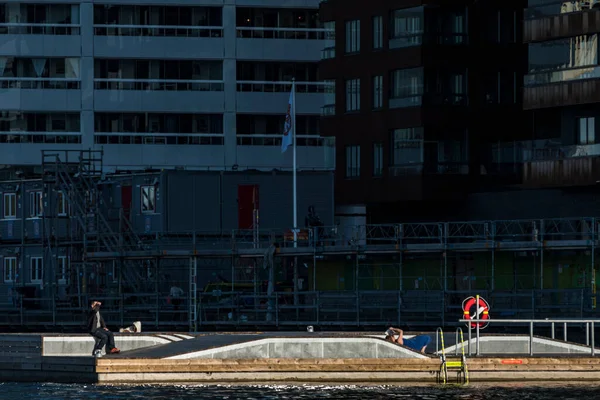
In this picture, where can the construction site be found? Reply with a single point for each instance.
(76, 234)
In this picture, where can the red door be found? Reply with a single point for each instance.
(247, 205)
(126, 195)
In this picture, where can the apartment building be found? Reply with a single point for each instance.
(174, 85)
(422, 90)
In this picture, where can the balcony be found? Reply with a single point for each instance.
(156, 95)
(40, 40)
(313, 152)
(282, 44)
(547, 25)
(583, 89)
(40, 94)
(137, 138)
(544, 163)
(159, 41)
(263, 97)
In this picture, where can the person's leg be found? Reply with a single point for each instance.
(111, 341)
(103, 338)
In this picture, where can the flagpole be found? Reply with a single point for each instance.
(294, 161)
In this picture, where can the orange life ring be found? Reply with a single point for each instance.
(483, 308)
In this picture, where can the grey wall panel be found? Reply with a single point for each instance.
(41, 46)
(158, 47)
(276, 200)
(193, 202)
(63, 100)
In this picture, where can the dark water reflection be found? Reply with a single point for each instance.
(18, 391)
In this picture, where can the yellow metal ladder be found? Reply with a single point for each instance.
(458, 365)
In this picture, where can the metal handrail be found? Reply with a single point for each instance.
(262, 28)
(589, 323)
(197, 27)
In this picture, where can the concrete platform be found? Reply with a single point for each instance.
(255, 357)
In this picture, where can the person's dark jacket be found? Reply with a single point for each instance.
(93, 321)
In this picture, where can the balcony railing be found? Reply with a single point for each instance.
(328, 110)
(443, 168)
(207, 139)
(558, 8)
(275, 140)
(540, 150)
(158, 84)
(39, 83)
(327, 53)
(284, 86)
(573, 74)
(39, 29)
(159, 30)
(285, 33)
(16, 137)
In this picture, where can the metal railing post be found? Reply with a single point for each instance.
(531, 338)
(469, 344)
(593, 344)
(565, 331)
(552, 330)
(477, 327)
(587, 334)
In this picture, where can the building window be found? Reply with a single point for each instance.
(378, 159)
(406, 87)
(63, 269)
(329, 100)
(353, 95)
(10, 269)
(10, 205)
(148, 199)
(352, 161)
(36, 204)
(353, 36)
(61, 204)
(377, 92)
(36, 269)
(407, 27)
(377, 32)
(587, 130)
(407, 146)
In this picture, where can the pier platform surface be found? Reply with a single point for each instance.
(259, 357)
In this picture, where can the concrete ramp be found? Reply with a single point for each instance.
(519, 344)
(82, 345)
(366, 347)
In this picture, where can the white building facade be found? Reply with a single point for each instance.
(186, 84)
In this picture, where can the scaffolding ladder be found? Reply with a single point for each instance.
(458, 365)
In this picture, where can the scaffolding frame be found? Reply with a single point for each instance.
(100, 238)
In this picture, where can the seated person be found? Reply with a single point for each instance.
(417, 343)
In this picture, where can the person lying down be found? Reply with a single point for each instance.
(417, 343)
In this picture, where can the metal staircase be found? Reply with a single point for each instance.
(77, 174)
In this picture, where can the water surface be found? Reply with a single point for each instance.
(31, 391)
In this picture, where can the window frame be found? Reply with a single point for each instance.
(12, 269)
(353, 162)
(377, 22)
(352, 95)
(62, 206)
(36, 264)
(36, 204)
(378, 159)
(12, 212)
(377, 100)
(590, 130)
(352, 29)
(149, 189)
(64, 268)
